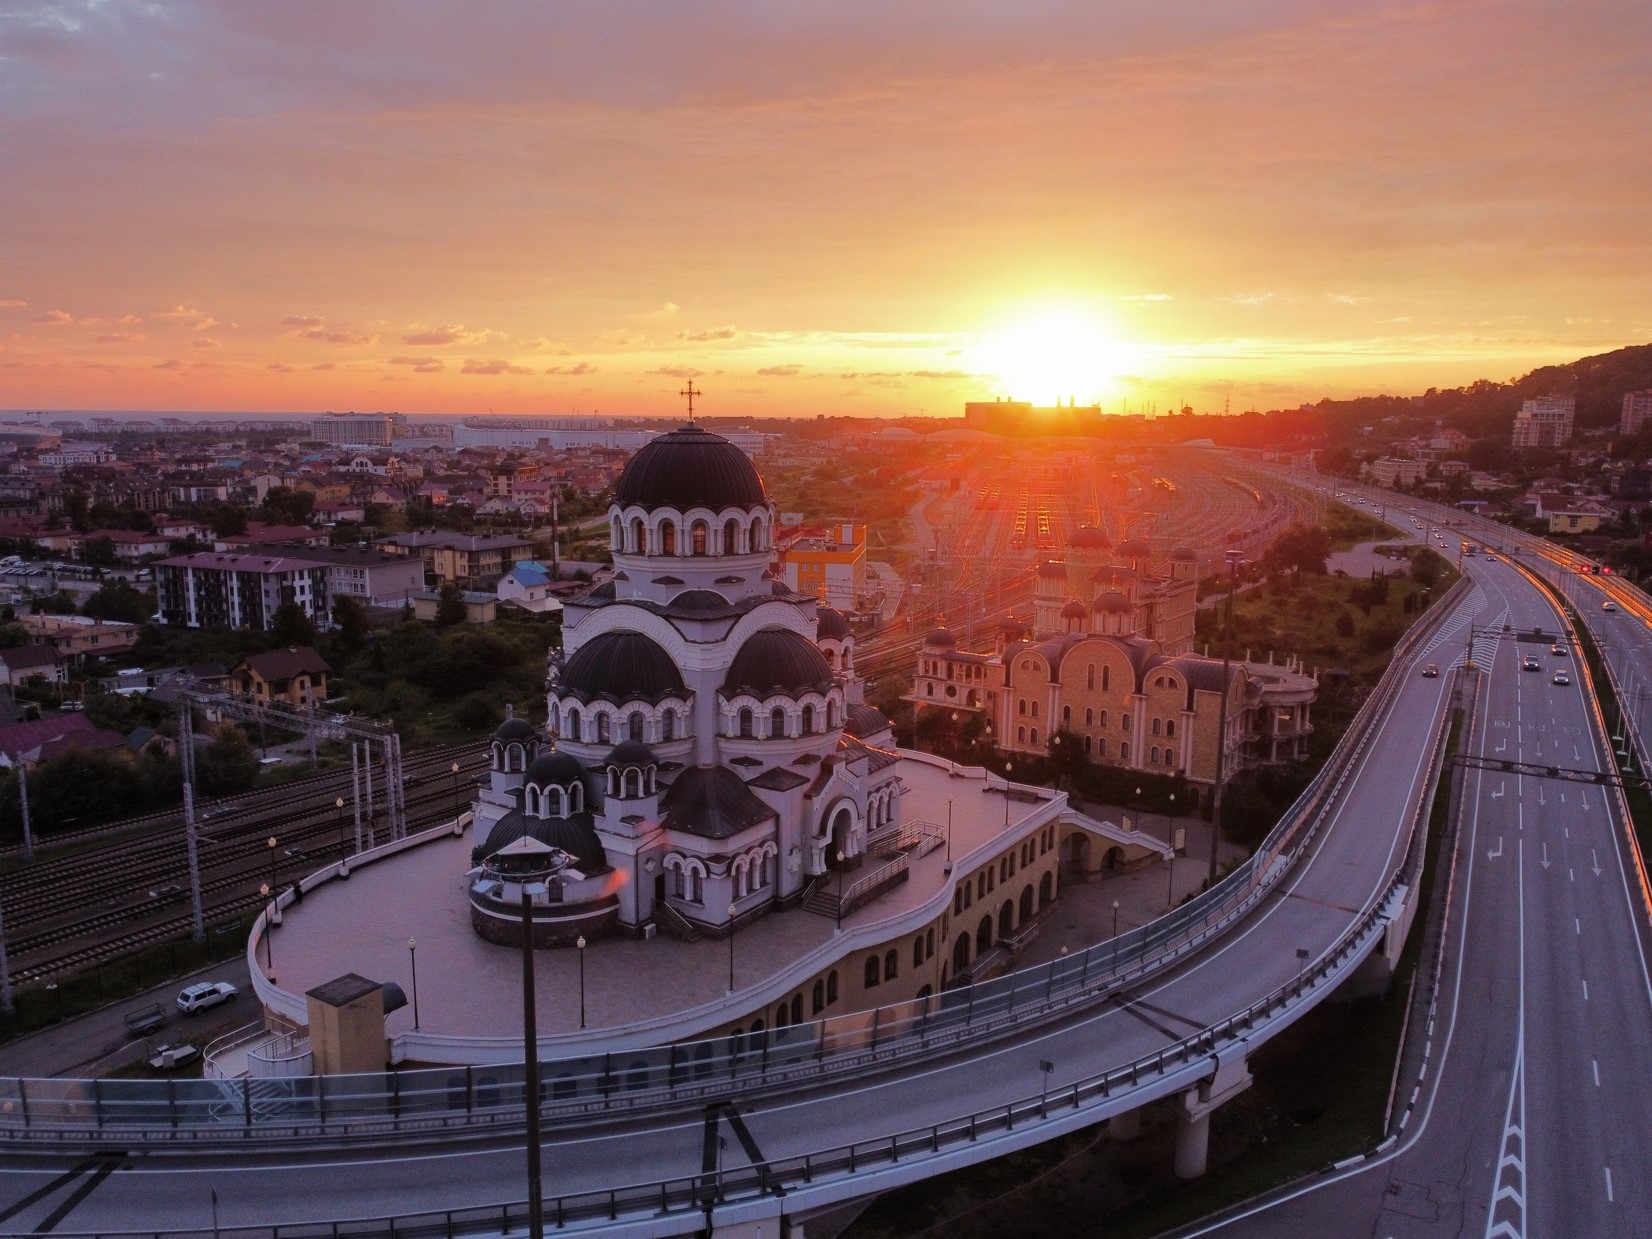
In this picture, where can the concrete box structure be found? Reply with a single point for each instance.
(347, 1026)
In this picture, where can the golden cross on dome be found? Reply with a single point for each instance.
(690, 392)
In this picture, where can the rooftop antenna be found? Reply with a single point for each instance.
(690, 392)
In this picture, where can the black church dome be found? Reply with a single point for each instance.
(690, 468)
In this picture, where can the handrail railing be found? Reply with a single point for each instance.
(634, 1079)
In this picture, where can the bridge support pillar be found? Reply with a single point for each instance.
(1126, 1126)
(1193, 1111)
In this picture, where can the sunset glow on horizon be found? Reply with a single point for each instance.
(863, 209)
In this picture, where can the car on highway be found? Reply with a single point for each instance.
(1558, 649)
(1608, 605)
(204, 995)
(1431, 670)
(1530, 664)
(1560, 677)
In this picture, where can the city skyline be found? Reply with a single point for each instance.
(856, 211)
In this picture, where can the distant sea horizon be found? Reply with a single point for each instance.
(47, 416)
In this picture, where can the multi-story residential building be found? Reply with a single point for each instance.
(357, 429)
(1637, 411)
(218, 590)
(830, 566)
(1545, 421)
(467, 559)
(1393, 471)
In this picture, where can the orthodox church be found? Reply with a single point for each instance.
(708, 752)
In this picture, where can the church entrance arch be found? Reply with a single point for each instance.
(843, 821)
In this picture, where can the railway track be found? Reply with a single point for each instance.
(53, 951)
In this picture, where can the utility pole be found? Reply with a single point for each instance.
(186, 754)
(23, 795)
(1222, 726)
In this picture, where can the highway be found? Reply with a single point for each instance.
(1346, 874)
(1532, 1116)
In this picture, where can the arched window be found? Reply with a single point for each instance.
(679, 888)
(731, 543)
(929, 943)
(1158, 727)
(1089, 717)
(871, 971)
(1021, 706)
(797, 1008)
(1020, 734)
(757, 541)
(1066, 714)
(1090, 676)
(639, 536)
(1035, 709)
(668, 538)
(777, 722)
(553, 803)
(573, 724)
(1154, 758)
(831, 987)
(1170, 728)
(1046, 889)
(817, 999)
(1033, 736)
(699, 538)
(602, 727)
(633, 726)
(1087, 744)
(1106, 678)
(616, 536)
(983, 936)
(891, 964)
(1124, 750)
(1124, 720)
(808, 720)
(668, 725)
(960, 953)
(1102, 718)
(531, 801)
(917, 950)
(745, 724)
(781, 1015)
(831, 714)
(1101, 746)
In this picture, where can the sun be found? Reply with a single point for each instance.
(1052, 356)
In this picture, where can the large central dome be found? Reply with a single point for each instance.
(690, 468)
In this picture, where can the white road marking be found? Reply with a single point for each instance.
(1508, 1186)
(1608, 1184)
(1578, 926)
(1586, 991)
(1595, 1063)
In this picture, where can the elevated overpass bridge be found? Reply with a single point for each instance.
(740, 1137)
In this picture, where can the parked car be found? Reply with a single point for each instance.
(1560, 677)
(205, 995)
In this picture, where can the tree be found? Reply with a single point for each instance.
(285, 506)
(227, 519)
(99, 552)
(350, 622)
(228, 765)
(77, 506)
(59, 603)
(1297, 549)
(291, 626)
(120, 602)
(451, 609)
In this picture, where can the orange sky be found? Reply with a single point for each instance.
(843, 207)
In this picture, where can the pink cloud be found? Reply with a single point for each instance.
(120, 337)
(205, 342)
(781, 372)
(678, 372)
(301, 320)
(281, 367)
(719, 333)
(333, 365)
(477, 366)
(172, 363)
(12, 303)
(451, 333)
(583, 367)
(54, 318)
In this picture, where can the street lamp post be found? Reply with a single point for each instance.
(731, 936)
(455, 770)
(839, 897)
(265, 891)
(270, 845)
(1008, 766)
(339, 805)
(580, 943)
(413, 962)
(530, 1072)
(948, 834)
(1233, 558)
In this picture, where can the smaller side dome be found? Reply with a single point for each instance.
(1184, 555)
(514, 728)
(1073, 610)
(555, 767)
(864, 720)
(830, 624)
(941, 639)
(631, 754)
(1113, 602)
(1051, 568)
(1009, 625)
(1091, 537)
(699, 600)
(1134, 548)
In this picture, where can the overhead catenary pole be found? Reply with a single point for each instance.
(530, 1071)
(1222, 722)
(23, 797)
(355, 788)
(186, 751)
(6, 1003)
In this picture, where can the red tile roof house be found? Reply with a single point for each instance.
(51, 737)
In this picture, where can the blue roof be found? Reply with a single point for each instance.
(529, 573)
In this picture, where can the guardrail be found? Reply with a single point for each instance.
(576, 1088)
(1175, 1067)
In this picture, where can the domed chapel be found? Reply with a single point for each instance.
(707, 753)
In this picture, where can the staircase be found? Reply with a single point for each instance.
(674, 923)
(821, 900)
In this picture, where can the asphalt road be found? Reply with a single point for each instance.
(1534, 1115)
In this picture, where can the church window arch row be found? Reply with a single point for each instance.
(688, 877)
(657, 721)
